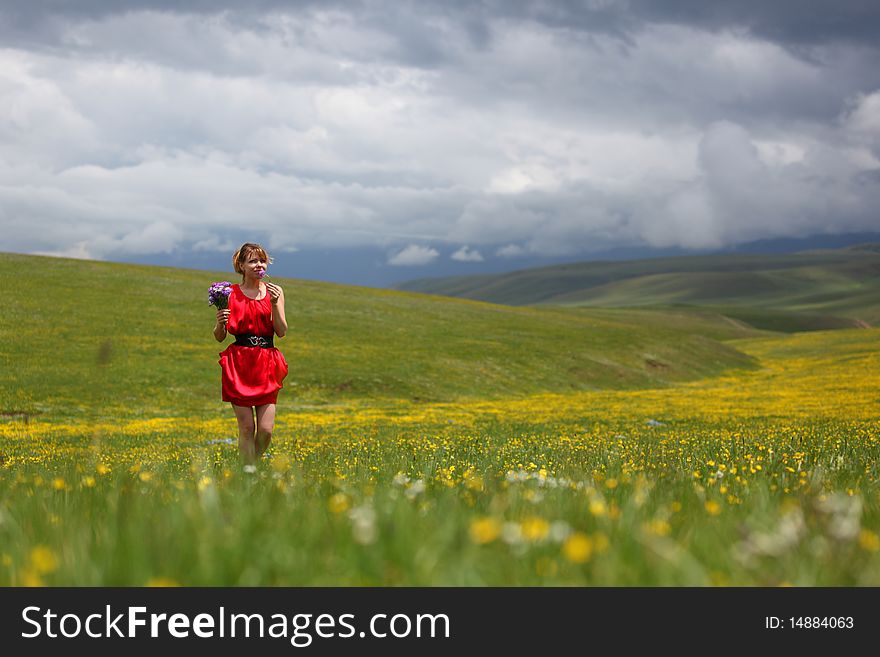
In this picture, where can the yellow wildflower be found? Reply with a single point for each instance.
(578, 548)
(338, 503)
(657, 527)
(484, 530)
(43, 560)
(534, 528)
(869, 541)
(598, 508)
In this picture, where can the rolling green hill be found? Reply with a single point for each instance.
(803, 291)
(138, 340)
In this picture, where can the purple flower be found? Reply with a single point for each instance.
(262, 274)
(218, 294)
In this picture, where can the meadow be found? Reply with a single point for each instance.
(412, 448)
(813, 290)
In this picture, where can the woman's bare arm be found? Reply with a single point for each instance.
(279, 321)
(220, 326)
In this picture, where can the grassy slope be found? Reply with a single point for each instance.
(85, 332)
(695, 321)
(828, 289)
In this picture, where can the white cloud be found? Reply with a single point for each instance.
(739, 195)
(865, 117)
(214, 244)
(413, 255)
(510, 251)
(862, 123)
(466, 254)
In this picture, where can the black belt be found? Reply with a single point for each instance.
(250, 340)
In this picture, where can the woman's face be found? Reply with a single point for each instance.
(254, 264)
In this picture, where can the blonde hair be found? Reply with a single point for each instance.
(246, 251)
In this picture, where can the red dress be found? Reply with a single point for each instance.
(251, 376)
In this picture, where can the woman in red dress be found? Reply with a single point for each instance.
(252, 368)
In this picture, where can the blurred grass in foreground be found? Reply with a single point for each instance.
(755, 477)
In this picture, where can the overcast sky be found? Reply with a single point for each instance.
(466, 133)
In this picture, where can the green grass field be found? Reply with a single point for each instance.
(428, 441)
(114, 339)
(794, 292)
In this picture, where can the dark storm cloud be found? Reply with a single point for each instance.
(34, 11)
(430, 35)
(786, 21)
(794, 22)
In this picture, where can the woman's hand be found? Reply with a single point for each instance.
(275, 293)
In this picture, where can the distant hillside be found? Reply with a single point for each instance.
(802, 291)
(138, 338)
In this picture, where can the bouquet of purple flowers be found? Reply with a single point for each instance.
(218, 294)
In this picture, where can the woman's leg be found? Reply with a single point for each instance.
(265, 427)
(246, 443)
